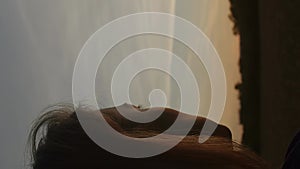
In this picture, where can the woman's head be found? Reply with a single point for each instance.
(58, 141)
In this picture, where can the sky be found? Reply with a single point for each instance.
(41, 39)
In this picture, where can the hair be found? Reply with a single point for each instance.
(59, 142)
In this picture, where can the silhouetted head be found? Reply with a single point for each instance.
(59, 142)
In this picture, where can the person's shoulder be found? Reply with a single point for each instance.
(292, 158)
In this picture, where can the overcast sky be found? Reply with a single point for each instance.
(40, 41)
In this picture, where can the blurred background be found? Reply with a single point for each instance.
(256, 40)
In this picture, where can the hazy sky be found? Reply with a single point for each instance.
(40, 41)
